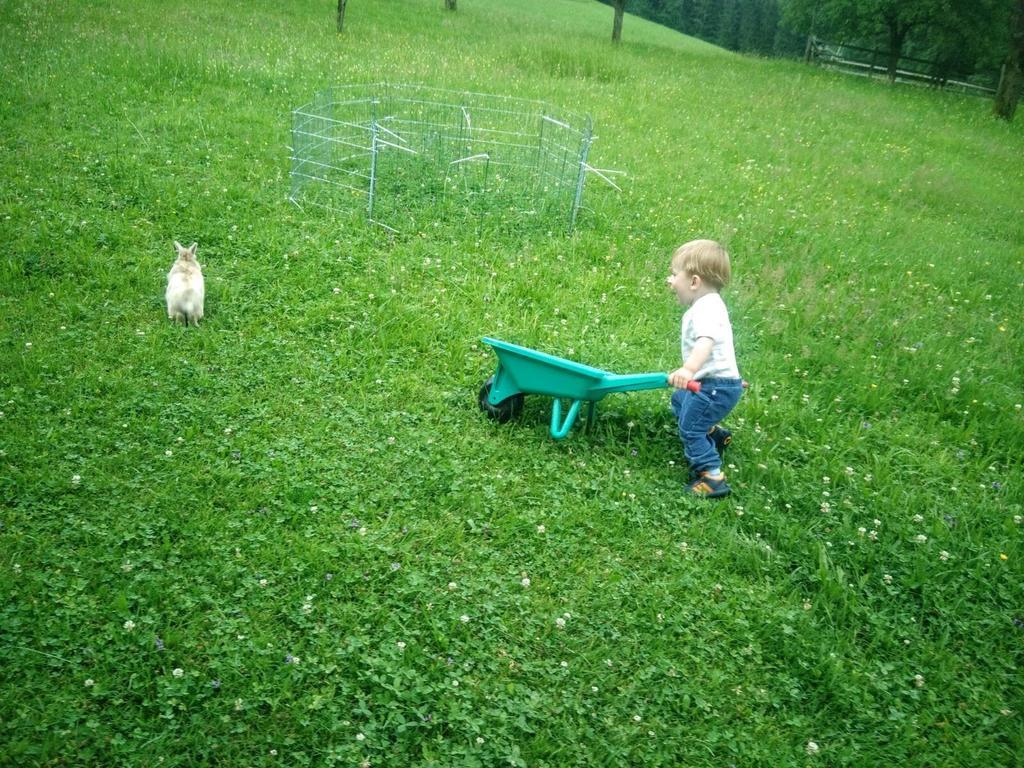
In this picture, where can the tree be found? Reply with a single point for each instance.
(728, 25)
(886, 21)
(897, 20)
(740, 25)
(341, 14)
(1012, 78)
(960, 41)
(620, 9)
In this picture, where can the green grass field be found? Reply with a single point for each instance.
(289, 537)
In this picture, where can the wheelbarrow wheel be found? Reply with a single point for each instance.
(504, 411)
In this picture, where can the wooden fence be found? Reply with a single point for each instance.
(868, 62)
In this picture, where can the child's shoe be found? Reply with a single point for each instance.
(720, 437)
(709, 487)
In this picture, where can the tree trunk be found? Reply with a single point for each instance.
(620, 7)
(449, 4)
(897, 36)
(1009, 89)
(341, 14)
(1012, 80)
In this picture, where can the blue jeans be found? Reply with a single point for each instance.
(698, 412)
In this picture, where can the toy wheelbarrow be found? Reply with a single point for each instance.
(523, 371)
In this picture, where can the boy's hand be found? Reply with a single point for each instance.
(680, 377)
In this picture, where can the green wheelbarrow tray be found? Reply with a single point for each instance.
(522, 371)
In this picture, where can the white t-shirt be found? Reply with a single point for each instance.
(707, 316)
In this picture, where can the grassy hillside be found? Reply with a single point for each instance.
(289, 537)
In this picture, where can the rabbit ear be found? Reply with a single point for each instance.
(192, 248)
(178, 247)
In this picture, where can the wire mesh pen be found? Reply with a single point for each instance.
(410, 154)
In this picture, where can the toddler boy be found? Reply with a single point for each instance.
(700, 269)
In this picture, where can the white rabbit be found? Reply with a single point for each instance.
(185, 289)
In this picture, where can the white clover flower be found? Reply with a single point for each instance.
(921, 538)
(452, 585)
(917, 519)
(862, 531)
(464, 619)
(76, 479)
(401, 645)
(943, 555)
(560, 622)
(362, 531)
(129, 625)
(89, 682)
(178, 672)
(887, 579)
(541, 529)
(360, 737)
(918, 681)
(564, 664)
(807, 605)
(525, 582)
(811, 748)
(637, 718)
(479, 740)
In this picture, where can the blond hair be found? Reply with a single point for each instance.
(704, 258)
